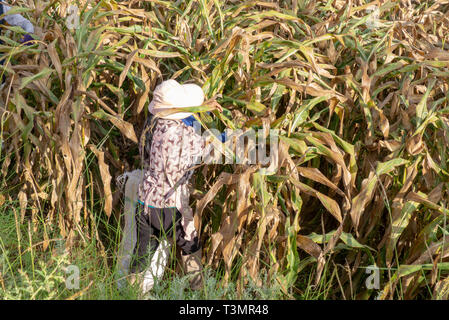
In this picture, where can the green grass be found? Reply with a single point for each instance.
(28, 272)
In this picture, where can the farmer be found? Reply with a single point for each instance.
(173, 147)
(15, 20)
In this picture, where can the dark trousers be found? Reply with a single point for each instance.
(2, 77)
(160, 223)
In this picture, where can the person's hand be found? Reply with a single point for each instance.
(27, 39)
(218, 107)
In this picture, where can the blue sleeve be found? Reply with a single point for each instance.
(223, 137)
(189, 121)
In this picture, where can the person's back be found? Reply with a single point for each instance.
(175, 148)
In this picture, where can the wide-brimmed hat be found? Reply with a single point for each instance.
(171, 94)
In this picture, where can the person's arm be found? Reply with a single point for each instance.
(17, 20)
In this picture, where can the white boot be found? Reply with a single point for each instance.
(155, 271)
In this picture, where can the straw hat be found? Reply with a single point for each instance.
(170, 94)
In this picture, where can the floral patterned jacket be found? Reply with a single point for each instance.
(169, 153)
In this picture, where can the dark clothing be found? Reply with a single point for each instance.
(2, 60)
(160, 223)
(2, 11)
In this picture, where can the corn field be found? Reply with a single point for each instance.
(359, 98)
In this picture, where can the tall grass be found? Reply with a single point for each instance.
(360, 104)
(29, 273)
